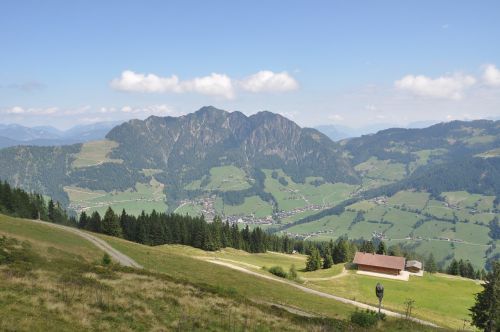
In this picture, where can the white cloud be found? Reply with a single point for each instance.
(268, 81)
(446, 87)
(136, 82)
(214, 85)
(34, 111)
(160, 110)
(491, 75)
(217, 85)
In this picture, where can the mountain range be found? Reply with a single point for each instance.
(15, 134)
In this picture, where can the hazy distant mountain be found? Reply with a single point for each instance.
(15, 134)
(339, 132)
(21, 133)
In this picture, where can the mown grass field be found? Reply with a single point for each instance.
(437, 298)
(145, 196)
(297, 195)
(223, 178)
(252, 205)
(381, 169)
(95, 153)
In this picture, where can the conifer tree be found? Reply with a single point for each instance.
(111, 223)
(381, 248)
(327, 261)
(486, 311)
(83, 221)
(430, 264)
(313, 260)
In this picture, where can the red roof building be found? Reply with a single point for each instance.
(379, 263)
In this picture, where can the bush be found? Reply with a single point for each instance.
(366, 318)
(292, 273)
(278, 271)
(106, 260)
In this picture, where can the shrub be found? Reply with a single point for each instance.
(106, 260)
(366, 318)
(278, 271)
(292, 273)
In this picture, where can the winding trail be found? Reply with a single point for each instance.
(101, 244)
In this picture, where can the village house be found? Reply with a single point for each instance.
(369, 262)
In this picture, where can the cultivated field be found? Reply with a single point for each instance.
(95, 153)
(144, 197)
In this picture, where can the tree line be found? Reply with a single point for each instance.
(18, 203)
(169, 228)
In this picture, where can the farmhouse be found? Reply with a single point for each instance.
(413, 266)
(379, 263)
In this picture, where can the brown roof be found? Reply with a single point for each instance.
(390, 262)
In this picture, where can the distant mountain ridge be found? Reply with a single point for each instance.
(338, 132)
(15, 134)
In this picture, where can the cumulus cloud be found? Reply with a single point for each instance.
(214, 85)
(491, 75)
(136, 82)
(268, 81)
(446, 87)
(217, 85)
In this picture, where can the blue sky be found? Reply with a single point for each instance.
(318, 62)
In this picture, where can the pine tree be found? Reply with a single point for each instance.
(51, 211)
(83, 221)
(327, 261)
(94, 224)
(313, 260)
(367, 247)
(453, 268)
(381, 248)
(111, 223)
(486, 311)
(340, 251)
(430, 264)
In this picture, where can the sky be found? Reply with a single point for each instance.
(350, 63)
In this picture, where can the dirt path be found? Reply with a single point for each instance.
(340, 275)
(318, 293)
(101, 244)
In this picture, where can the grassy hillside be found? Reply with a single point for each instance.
(432, 304)
(55, 281)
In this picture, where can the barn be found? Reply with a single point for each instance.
(414, 266)
(379, 263)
